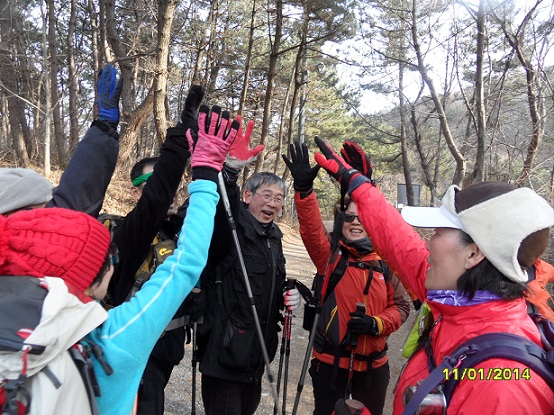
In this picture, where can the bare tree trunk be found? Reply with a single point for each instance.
(479, 167)
(282, 128)
(271, 73)
(95, 35)
(458, 157)
(166, 9)
(248, 63)
(48, 96)
(72, 82)
(403, 139)
(59, 134)
(533, 96)
(10, 26)
(429, 181)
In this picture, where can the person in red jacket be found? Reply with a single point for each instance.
(364, 280)
(472, 275)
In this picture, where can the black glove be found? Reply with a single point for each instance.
(188, 118)
(354, 155)
(361, 323)
(195, 304)
(348, 177)
(109, 90)
(299, 167)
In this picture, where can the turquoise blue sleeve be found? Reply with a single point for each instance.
(134, 327)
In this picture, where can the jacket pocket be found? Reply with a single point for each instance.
(237, 346)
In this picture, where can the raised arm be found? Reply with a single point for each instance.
(84, 182)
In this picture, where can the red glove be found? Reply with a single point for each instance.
(240, 154)
(354, 155)
(212, 142)
(335, 165)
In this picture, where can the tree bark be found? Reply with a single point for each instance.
(458, 157)
(166, 9)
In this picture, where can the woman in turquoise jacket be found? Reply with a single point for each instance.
(76, 248)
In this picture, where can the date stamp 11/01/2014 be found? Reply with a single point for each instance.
(492, 373)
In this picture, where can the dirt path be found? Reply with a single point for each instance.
(299, 266)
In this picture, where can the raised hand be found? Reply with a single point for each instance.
(299, 166)
(210, 145)
(354, 155)
(109, 91)
(240, 154)
(337, 167)
(192, 102)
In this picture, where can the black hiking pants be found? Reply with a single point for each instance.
(368, 387)
(229, 397)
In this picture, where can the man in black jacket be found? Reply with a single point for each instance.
(232, 364)
(137, 235)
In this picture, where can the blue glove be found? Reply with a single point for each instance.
(109, 90)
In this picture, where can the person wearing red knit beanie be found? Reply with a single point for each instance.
(53, 242)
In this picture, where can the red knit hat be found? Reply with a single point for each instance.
(53, 242)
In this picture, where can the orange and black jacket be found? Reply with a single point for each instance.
(386, 299)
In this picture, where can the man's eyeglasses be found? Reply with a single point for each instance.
(268, 197)
(349, 218)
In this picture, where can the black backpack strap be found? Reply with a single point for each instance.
(84, 366)
(305, 292)
(476, 350)
(386, 270)
(337, 274)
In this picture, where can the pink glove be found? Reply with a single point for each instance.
(240, 154)
(211, 144)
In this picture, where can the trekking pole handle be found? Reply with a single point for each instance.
(290, 284)
(360, 308)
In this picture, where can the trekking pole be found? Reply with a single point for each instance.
(233, 227)
(360, 307)
(194, 359)
(291, 283)
(335, 236)
(281, 354)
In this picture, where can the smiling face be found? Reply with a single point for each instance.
(449, 257)
(354, 230)
(265, 202)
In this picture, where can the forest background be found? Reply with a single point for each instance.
(437, 92)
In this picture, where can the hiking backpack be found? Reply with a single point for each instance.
(21, 304)
(160, 249)
(461, 363)
(310, 299)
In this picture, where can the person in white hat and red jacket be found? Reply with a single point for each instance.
(472, 274)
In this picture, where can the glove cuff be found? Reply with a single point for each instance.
(230, 174)
(176, 132)
(378, 326)
(305, 194)
(205, 173)
(108, 127)
(356, 182)
(302, 189)
(105, 124)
